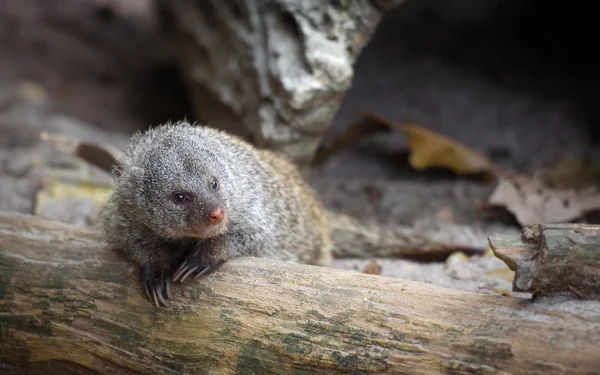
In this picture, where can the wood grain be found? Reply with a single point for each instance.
(68, 305)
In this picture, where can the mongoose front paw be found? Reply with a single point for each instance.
(156, 282)
(192, 265)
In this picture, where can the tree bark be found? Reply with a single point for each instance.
(553, 259)
(70, 305)
(272, 71)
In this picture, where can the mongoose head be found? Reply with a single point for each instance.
(180, 184)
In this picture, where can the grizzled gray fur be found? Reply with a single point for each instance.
(189, 198)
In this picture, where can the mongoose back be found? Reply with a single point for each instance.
(188, 198)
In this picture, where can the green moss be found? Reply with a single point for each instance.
(7, 267)
(51, 279)
(26, 324)
(347, 361)
(121, 335)
(40, 305)
(490, 351)
(317, 314)
(257, 359)
(227, 316)
(296, 344)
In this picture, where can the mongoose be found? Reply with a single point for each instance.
(190, 197)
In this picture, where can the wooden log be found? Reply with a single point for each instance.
(68, 305)
(553, 259)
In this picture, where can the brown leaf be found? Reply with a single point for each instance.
(366, 125)
(99, 154)
(372, 268)
(532, 202)
(431, 149)
(428, 148)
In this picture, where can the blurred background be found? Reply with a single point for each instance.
(511, 82)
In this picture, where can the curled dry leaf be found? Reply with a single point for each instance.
(532, 202)
(428, 148)
(99, 154)
(367, 124)
(431, 149)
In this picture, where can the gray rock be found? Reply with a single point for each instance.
(274, 71)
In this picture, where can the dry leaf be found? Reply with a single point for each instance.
(56, 190)
(502, 273)
(431, 149)
(455, 258)
(99, 154)
(532, 203)
(428, 148)
(488, 253)
(76, 203)
(366, 125)
(501, 291)
(372, 268)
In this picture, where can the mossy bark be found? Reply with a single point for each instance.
(69, 305)
(553, 259)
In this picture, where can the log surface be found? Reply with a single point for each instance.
(69, 305)
(553, 258)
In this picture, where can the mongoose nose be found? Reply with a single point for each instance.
(215, 216)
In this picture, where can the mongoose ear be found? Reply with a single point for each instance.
(117, 169)
(131, 174)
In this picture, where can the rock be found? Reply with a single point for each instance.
(274, 71)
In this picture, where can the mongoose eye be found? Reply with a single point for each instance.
(179, 197)
(214, 184)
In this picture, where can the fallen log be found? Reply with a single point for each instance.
(69, 305)
(553, 259)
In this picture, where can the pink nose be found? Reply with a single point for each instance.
(215, 216)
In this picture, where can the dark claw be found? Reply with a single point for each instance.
(192, 266)
(155, 298)
(147, 291)
(161, 298)
(189, 273)
(168, 289)
(203, 272)
(155, 282)
(180, 270)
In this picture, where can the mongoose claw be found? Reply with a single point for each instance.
(180, 271)
(189, 267)
(155, 284)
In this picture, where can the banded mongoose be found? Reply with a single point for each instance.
(190, 197)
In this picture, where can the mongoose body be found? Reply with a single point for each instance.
(188, 198)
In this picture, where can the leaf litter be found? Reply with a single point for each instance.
(563, 193)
